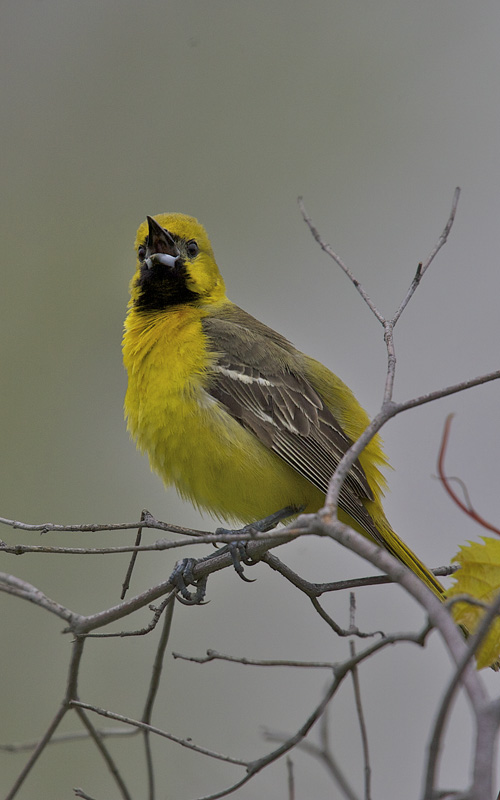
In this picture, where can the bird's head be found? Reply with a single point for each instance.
(175, 264)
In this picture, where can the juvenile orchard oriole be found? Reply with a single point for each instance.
(231, 413)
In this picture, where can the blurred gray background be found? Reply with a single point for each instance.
(374, 112)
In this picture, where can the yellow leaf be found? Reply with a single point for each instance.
(479, 577)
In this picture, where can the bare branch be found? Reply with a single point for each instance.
(481, 709)
(423, 267)
(61, 738)
(323, 754)
(36, 753)
(359, 707)
(390, 409)
(83, 795)
(158, 613)
(159, 732)
(147, 521)
(133, 559)
(388, 324)
(438, 394)
(26, 591)
(153, 689)
(291, 780)
(467, 507)
(329, 251)
(106, 755)
(212, 655)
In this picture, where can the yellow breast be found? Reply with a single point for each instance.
(191, 441)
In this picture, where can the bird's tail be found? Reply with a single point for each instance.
(372, 522)
(402, 552)
(379, 530)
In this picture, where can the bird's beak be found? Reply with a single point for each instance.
(161, 247)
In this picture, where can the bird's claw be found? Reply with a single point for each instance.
(182, 577)
(238, 549)
(239, 557)
(183, 573)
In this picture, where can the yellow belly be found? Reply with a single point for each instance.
(191, 441)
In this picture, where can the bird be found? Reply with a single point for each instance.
(241, 422)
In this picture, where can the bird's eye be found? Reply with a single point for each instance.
(192, 248)
(141, 252)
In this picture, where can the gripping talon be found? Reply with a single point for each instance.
(238, 549)
(182, 577)
(239, 557)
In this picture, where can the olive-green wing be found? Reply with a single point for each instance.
(257, 376)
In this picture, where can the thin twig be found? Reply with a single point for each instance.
(438, 394)
(159, 732)
(133, 559)
(158, 545)
(72, 695)
(154, 685)
(148, 521)
(106, 755)
(388, 324)
(290, 778)
(323, 754)
(317, 589)
(158, 612)
(467, 507)
(328, 249)
(389, 410)
(423, 267)
(83, 795)
(36, 753)
(26, 591)
(62, 738)
(359, 705)
(212, 655)
(337, 629)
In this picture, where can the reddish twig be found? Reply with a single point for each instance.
(467, 506)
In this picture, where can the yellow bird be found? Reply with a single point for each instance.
(231, 413)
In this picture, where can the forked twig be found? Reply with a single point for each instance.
(466, 507)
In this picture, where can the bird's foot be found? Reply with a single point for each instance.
(182, 577)
(238, 549)
(183, 574)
